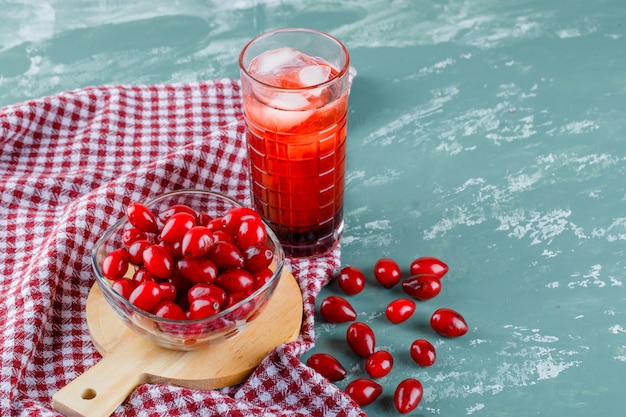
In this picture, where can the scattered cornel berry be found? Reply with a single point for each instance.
(361, 339)
(448, 323)
(408, 395)
(423, 352)
(423, 283)
(336, 309)
(400, 310)
(364, 391)
(351, 280)
(379, 364)
(192, 267)
(387, 272)
(327, 366)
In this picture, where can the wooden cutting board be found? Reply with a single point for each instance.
(130, 360)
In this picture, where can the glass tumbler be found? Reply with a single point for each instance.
(295, 99)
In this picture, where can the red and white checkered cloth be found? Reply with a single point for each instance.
(69, 164)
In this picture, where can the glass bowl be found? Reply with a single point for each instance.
(185, 334)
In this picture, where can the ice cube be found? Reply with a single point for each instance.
(282, 120)
(288, 101)
(313, 75)
(272, 62)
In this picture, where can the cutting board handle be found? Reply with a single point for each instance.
(100, 390)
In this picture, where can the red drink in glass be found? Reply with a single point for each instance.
(295, 99)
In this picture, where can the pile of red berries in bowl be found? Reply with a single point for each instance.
(188, 268)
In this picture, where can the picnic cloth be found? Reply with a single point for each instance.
(69, 165)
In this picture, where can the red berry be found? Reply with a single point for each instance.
(235, 280)
(142, 274)
(196, 242)
(115, 264)
(408, 395)
(233, 218)
(158, 260)
(169, 310)
(204, 219)
(222, 236)
(132, 234)
(226, 255)
(327, 366)
(257, 257)
(168, 291)
(399, 310)
(202, 308)
(336, 309)
(363, 391)
(182, 285)
(448, 323)
(206, 291)
(146, 295)
(200, 270)
(123, 286)
(379, 364)
(234, 298)
(176, 226)
(422, 287)
(251, 232)
(174, 248)
(428, 265)
(135, 251)
(262, 277)
(176, 208)
(387, 272)
(351, 280)
(361, 339)
(140, 216)
(423, 352)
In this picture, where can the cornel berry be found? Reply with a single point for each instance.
(400, 310)
(423, 283)
(423, 352)
(428, 265)
(448, 323)
(379, 364)
(387, 272)
(183, 265)
(408, 395)
(327, 366)
(422, 287)
(351, 280)
(336, 309)
(364, 391)
(361, 339)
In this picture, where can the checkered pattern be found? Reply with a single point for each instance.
(69, 164)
